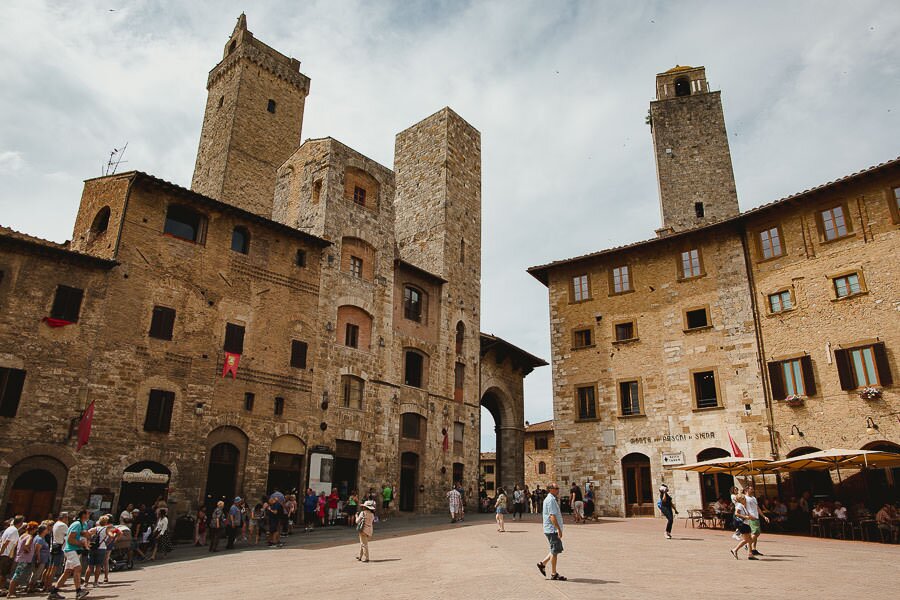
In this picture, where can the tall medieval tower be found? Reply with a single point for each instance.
(693, 161)
(252, 123)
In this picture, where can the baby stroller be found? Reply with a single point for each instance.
(120, 555)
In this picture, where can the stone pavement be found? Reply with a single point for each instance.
(428, 557)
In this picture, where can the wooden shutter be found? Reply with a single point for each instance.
(234, 338)
(10, 391)
(165, 417)
(809, 378)
(845, 373)
(154, 411)
(776, 380)
(67, 303)
(298, 354)
(163, 322)
(882, 364)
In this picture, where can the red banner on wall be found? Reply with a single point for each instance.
(51, 322)
(231, 364)
(84, 425)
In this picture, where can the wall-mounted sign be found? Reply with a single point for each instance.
(671, 459)
(145, 476)
(321, 465)
(677, 437)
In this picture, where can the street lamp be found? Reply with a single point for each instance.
(793, 429)
(871, 425)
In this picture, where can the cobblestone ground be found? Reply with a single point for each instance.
(430, 558)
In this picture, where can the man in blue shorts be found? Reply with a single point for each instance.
(553, 531)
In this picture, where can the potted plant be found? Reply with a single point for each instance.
(794, 400)
(870, 392)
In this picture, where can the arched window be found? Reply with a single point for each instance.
(352, 391)
(101, 221)
(413, 302)
(542, 468)
(682, 86)
(232, 46)
(240, 240)
(460, 337)
(354, 327)
(185, 223)
(414, 368)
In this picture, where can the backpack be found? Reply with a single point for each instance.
(659, 504)
(361, 522)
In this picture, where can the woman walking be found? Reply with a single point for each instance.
(200, 528)
(365, 520)
(161, 534)
(500, 509)
(518, 502)
(666, 507)
(740, 512)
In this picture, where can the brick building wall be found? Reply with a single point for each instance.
(539, 445)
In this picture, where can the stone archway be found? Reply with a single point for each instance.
(510, 431)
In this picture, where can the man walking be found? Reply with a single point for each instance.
(576, 502)
(455, 501)
(75, 541)
(553, 531)
(8, 543)
(234, 522)
(755, 515)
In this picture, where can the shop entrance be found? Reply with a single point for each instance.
(638, 485)
(714, 485)
(409, 476)
(286, 460)
(142, 483)
(346, 466)
(222, 474)
(32, 494)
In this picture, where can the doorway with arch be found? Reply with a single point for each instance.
(638, 481)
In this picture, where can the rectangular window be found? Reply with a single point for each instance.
(863, 365)
(351, 336)
(540, 442)
(301, 258)
(234, 338)
(409, 426)
(780, 301)
(66, 304)
(690, 264)
(834, 224)
(413, 363)
(587, 402)
(489, 485)
(159, 411)
(458, 432)
(412, 304)
(279, 406)
(847, 285)
(459, 381)
(630, 398)
(162, 323)
(249, 400)
(185, 223)
(489, 469)
(582, 338)
(895, 204)
(770, 243)
(359, 195)
(793, 376)
(11, 383)
(271, 106)
(862, 361)
(580, 288)
(625, 331)
(356, 265)
(621, 279)
(298, 354)
(705, 393)
(697, 318)
(352, 391)
(698, 210)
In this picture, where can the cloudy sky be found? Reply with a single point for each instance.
(559, 91)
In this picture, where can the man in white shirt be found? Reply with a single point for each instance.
(57, 558)
(753, 511)
(8, 542)
(553, 519)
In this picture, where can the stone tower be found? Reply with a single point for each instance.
(252, 123)
(693, 162)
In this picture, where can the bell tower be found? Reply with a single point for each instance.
(693, 161)
(252, 123)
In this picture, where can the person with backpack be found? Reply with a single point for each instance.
(666, 506)
(365, 526)
(216, 523)
(75, 543)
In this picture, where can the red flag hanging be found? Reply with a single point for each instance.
(84, 425)
(735, 449)
(51, 322)
(231, 364)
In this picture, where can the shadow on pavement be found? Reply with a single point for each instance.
(594, 581)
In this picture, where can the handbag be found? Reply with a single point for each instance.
(361, 523)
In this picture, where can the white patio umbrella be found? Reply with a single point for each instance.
(836, 458)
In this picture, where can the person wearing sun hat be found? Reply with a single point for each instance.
(365, 520)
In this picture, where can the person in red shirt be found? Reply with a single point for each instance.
(333, 500)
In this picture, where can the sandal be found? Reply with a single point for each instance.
(558, 577)
(541, 568)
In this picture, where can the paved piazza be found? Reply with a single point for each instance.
(426, 558)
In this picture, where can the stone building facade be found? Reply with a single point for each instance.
(303, 317)
(662, 349)
(539, 454)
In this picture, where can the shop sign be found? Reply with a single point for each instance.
(145, 476)
(671, 459)
(677, 437)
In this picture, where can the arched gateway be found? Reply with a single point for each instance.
(503, 371)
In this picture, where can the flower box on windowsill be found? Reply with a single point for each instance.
(870, 392)
(795, 400)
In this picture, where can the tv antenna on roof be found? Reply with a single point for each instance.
(115, 158)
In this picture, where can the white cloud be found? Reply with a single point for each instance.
(10, 161)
